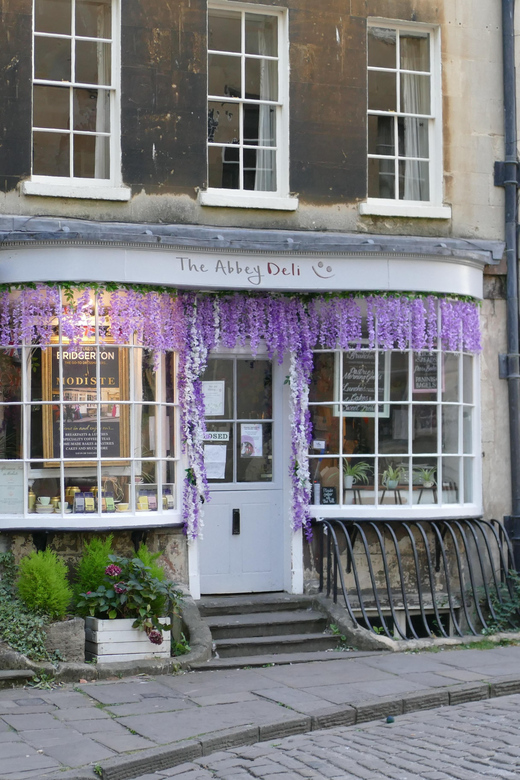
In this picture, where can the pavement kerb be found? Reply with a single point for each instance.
(168, 756)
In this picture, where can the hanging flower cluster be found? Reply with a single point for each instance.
(195, 323)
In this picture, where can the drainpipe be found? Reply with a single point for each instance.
(506, 175)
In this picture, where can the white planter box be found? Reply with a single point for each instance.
(116, 640)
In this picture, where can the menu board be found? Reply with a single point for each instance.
(424, 372)
(358, 383)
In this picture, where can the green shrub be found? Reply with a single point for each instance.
(156, 570)
(42, 584)
(20, 628)
(91, 568)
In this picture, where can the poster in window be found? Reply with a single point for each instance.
(251, 444)
(213, 393)
(356, 383)
(81, 402)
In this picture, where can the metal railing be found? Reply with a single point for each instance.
(416, 578)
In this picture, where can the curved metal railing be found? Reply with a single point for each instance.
(415, 578)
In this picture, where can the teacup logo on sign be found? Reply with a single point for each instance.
(245, 273)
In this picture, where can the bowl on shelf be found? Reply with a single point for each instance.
(122, 507)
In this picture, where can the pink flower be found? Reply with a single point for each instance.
(155, 637)
(113, 570)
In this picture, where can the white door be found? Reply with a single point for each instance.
(242, 546)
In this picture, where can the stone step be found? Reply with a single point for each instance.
(264, 624)
(251, 602)
(11, 677)
(282, 659)
(249, 646)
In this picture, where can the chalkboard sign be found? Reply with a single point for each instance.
(358, 383)
(424, 372)
(329, 495)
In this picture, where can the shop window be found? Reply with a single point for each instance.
(87, 430)
(75, 94)
(393, 428)
(404, 127)
(247, 100)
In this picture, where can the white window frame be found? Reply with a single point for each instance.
(433, 208)
(76, 187)
(279, 199)
(443, 507)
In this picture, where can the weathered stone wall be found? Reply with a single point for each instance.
(164, 116)
(170, 542)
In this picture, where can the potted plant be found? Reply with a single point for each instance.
(355, 472)
(128, 613)
(391, 477)
(426, 476)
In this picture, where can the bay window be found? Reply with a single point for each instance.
(393, 428)
(89, 428)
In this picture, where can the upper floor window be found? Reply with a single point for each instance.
(404, 129)
(247, 102)
(75, 100)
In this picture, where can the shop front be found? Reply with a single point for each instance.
(236, 393)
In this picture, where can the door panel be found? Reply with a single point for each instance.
(243, 460)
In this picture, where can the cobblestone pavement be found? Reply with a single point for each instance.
(468, 741)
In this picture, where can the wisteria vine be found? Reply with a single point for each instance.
(194, 323)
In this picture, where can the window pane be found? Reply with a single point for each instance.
(381, 135)
(145, 375)
(93, 18)
(468, 481)
(169, 488)
(51, 154)
(52, 16)
(261, 79)
(425, 481)
(223, 122)
(467, 425)
(467, 367)
(224, 30)
(260, 170)
(325, 429)
(414, 180)
(10, 375)
(254, 452)
(254, 389)
(382, 92)
(424, 428)
(145, 430)
(415, 94)
(219, 462)
(413, 137)
(327, 480)
(224, 75)
(52, 59)
(224, 167)
(10, 432)
(394, 481)
(93, 62)
(260, 125)
(169, 377)
(115, 481)
(450, 480)
(168, 431)
(415, 51)
(322, 379)
(91, 157)
(146, 492)
(217, 387)
(92, 110)
(399, 377)
(382, 47)
(381, 178)
(393, 431)
(450, 428)
(451, 377)
(51, 107)
(358, 481)
(34, 371)
(261, 35)
(358, 435)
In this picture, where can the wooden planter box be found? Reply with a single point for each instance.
(116, 640)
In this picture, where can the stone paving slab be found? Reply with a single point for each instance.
(115, 722)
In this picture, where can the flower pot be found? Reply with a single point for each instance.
(115, 640)
(427, 484)
(391, 484)
(348, 481)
